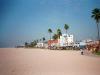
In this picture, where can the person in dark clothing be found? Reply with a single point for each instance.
(81, 49)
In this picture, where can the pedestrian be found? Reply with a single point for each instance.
(81, 49)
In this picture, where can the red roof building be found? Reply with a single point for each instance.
(52, 42)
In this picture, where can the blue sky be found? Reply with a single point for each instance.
(27, 20)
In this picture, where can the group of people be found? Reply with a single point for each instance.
(91, 48)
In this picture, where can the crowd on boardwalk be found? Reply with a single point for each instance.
(92, 46)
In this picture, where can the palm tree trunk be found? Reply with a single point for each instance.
(50, 40)
(98, 35)
(98, 31)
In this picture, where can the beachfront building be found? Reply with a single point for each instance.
(64, 41)
(53, 43)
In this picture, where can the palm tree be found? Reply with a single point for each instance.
(33, 44)
(59, 33)
(66, 27)
(55, 36)
(43, 41)
(50, 31)
(96, 16)
(26, 44)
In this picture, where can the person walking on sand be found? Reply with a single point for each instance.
(81, 49)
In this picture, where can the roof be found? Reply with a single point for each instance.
(52, 41)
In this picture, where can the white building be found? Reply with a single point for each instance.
(76, 44)
(66, 40)
(42, 45)
(81, 43)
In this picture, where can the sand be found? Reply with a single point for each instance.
(20, 61)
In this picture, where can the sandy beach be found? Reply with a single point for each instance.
(20, 61)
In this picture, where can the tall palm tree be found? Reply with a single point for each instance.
(96, 16)
(50, 31)
(66, 27)
(59, 33)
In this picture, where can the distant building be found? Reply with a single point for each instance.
(19, 46)
(40, 45)
(92, 42)
(76, 44)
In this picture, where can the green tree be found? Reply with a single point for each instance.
(96, 16)
(55, 36)
(66, 27)
(26, 44)
(33, 44)
(43, 39)
(59, 33)
(50, 31)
